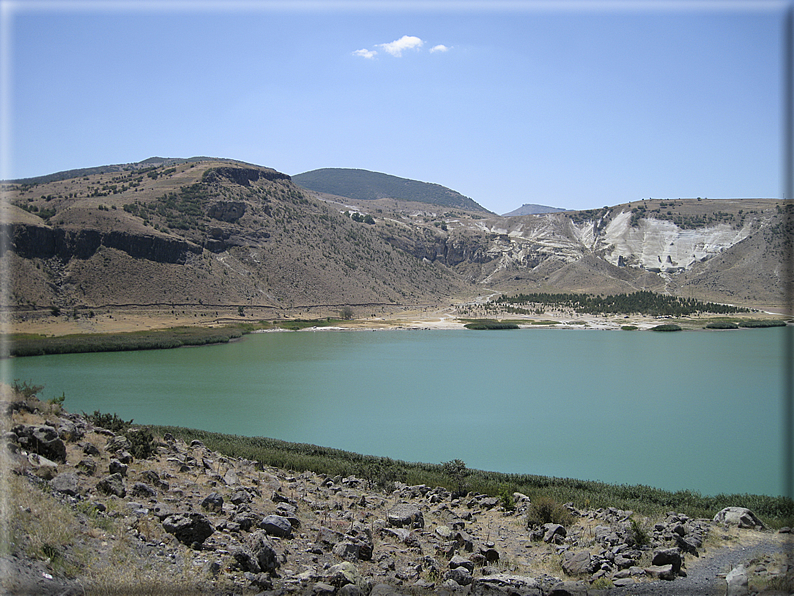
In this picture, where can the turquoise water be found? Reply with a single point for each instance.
(691, 410)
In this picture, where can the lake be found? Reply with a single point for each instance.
(689, 410)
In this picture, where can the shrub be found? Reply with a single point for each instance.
(142, 442)
(112, 422)
(506, 497)
(721, 325)
(667, 327)
(545, 510)
(629, 327)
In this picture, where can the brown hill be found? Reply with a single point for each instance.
(218, 238)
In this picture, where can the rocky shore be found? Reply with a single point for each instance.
(84, 515)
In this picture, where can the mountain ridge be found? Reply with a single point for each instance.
(220, 236)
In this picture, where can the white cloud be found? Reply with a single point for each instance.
(365, 53)
(406, 42)
(439, 48)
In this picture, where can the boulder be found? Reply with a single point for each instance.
(504, 584)
(574, 563)
(262, 549)
(405, 515)
(66, 483)
(112, 485)
(739, 516)
(275, 525)
(188, 528)
(41, 439)
(554, 533)
(737, 581)
(342, 574)
(213, 502)
(460, 575)
(118, 443)
(668, 556)
(141, 489)
(661, 572)
(568, 588)
(116, 467)
(458, 561)
(353, 550)
(43, 468)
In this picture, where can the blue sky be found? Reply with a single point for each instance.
(570, 104)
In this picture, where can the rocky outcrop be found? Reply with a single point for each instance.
(42, 242)
(228, 211)
(237, 523)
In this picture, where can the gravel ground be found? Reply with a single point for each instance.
(706, 575)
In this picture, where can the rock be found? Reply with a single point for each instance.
(554, 533)
(188, 528)
(86, 466)
(258, 580)
(66, 483)
(458, 561)
(43, 468)
(739, 516)
(405, 515)
(69, 431)
(668, 556)
(240, 496)
(661, 572)
(737, 582)
(384, 590)
(213, 502)
(503, 584)
(43, 440)
(112, 485)
(353, 550)
(275, 525)
(568, 588)
(90, 449)
(349, 590)
(161, 511)
(262, 549)
(245, 560)
(323, 589)
(576, 563)
(118, 443)
(116, 467)
(460, 575)
(141, 489)
(342, 574)
(230, 478)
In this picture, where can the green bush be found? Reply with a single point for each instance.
(667, 327)
(721, 325)
(761, 324)
(545, 510)
(142, 442)
(111, 422)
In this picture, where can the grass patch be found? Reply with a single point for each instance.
(666, 327)
(298, 324)
(488, 324)
(721, 325)
(629, 328)
(380, 471)
(157, 339)
(762, 323)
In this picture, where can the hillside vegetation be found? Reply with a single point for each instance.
(213, 240)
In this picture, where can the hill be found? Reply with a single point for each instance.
(532, 209)
(210, 239)
(363, 185)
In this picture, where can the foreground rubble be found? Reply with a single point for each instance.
(186, 518)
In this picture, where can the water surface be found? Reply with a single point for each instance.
(691, 410)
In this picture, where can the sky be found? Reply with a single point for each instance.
(575, 104)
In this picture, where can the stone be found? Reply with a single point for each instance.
(737, 581)
(342, 574)
(213, 502)
(42, 439)
(141, 489)
(664, 572)
(460, 575)
(116, 467)
(90, 449)
(458, 561)
(384, 590)
(86, 466)
(353, 550)
(323, 589)
(66, 483)
(739, 516)
(668, 556)
(554, 533)
(240, 496)
(43, 468)
(245, 560)
(568, 588)
(118, 443)
(576, 563)
(258, 580)
(262, 549)
(405, 515)
(69, 431)
(188, 528)
(504, 585)
(275, 525)
(112, 485)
